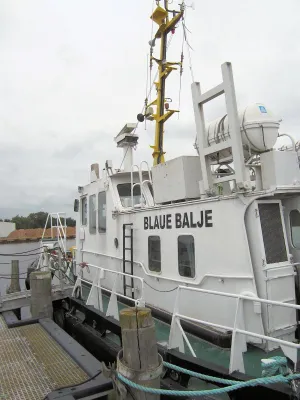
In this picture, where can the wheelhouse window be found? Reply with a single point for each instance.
(154, 254)
(186, 256)
(92, 214)
(295, 228)
(124, 190)
(102, 212)
(84, 211)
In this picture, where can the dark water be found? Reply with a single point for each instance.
(24, 260)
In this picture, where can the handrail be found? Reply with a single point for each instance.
(123, 274)
(238, 347)
(239, 296)
(61, 230)
(149, 172)
(134, 184)
(141, 181)
(112, 308)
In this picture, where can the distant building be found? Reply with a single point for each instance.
(6, 228)
(32, 235)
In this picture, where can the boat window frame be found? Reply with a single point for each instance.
(153, 270)
(98, 211)
(135, 188)
(90, 213)
(194, 256)
(81, 211)
(291, 231)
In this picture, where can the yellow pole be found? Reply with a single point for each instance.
(158, 153)
(164, 69)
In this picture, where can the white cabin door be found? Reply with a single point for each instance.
(278, 271)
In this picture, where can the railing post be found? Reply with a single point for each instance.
(15, 283)
(139, 360)
(60, 270)
(112, 308)
(238, 342)
(95, 296)
(175, 336)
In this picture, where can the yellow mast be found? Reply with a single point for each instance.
(161, 17)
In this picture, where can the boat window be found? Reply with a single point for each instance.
(92, 213)
(84, 211)
(186, 256)
(295, 228)
(154, 255)
(272, 232)
(124, 190)
(102, 212)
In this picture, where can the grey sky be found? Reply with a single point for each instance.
(73, 72)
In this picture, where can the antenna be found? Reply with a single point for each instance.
(127, 139)
(161, 17)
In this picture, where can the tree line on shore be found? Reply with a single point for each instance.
(36, 220)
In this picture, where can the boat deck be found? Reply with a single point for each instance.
(204, 350)
(33, 363)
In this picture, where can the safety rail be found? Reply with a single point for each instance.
(133, 185)
(149, 173)
(149, 182)
(61, 229)
(95, 295)
(141, 182)
(177, 335)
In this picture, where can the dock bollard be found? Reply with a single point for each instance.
(15, 283)
(41, 300)
(139, 360)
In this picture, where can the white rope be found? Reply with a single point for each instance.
(188, 49)
(151, 38)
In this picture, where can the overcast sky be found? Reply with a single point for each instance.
(73, 72)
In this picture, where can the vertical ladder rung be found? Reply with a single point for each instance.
(126, 286)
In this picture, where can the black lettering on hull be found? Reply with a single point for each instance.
(179, 221)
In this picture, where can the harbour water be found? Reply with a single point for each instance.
(8, 252)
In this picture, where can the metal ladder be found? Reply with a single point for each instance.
(128, 248)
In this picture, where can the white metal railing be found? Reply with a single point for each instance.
(61, 229)
(141, 182)
(133, 185)
(149, 182)
(239, 344)
(95, 295)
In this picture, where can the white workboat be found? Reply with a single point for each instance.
(211, 242)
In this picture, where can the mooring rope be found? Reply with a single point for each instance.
(272, 365)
